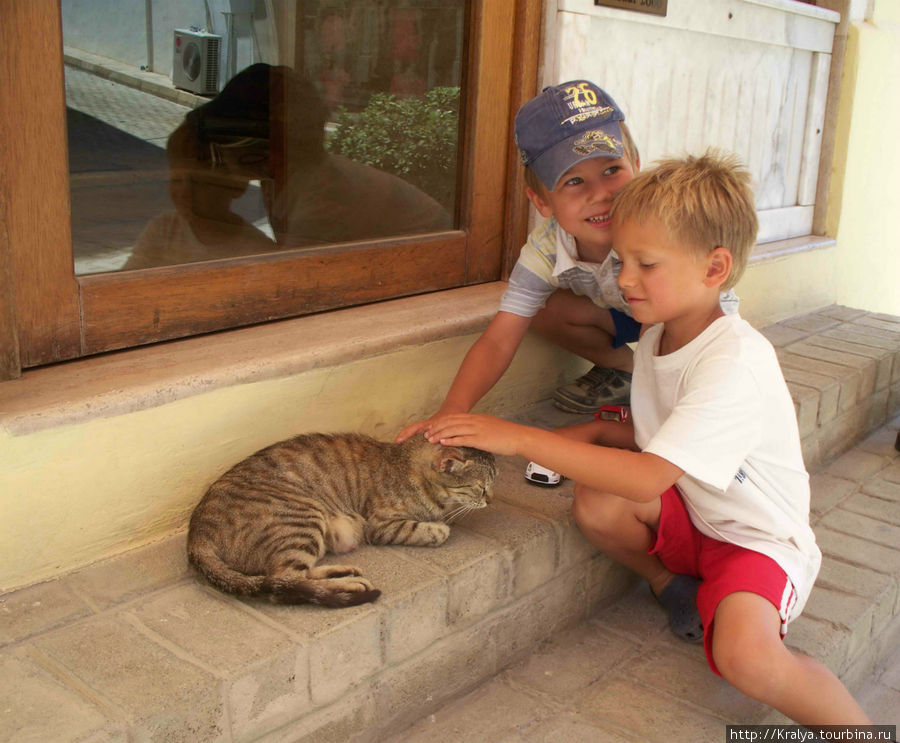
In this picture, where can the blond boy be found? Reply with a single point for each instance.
(704, 492)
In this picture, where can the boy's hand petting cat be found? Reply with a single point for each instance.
(479, 431)
(412, 429)
(419, 426)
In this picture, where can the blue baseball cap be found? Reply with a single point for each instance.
(565, 124)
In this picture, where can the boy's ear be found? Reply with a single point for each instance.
(718, 266)
(539, 201)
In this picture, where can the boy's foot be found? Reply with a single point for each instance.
(593, 390)
(679, 599)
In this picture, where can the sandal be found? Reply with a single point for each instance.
(593, 390)
(679, 599)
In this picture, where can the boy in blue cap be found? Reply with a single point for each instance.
(702, 491)
(577, 153)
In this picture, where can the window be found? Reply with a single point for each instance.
(81, 285)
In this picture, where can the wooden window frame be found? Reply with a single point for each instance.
(48, 314)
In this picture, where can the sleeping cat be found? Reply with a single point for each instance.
(263, 525)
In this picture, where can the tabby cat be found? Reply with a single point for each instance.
(263, 525)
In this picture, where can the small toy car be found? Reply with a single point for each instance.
(550, 479)
(542, 476)
(618, 413)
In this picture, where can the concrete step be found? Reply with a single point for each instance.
(137, 648)
(623, 676)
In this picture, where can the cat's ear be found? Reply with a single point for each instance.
(450, 461)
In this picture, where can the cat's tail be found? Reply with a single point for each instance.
(332, 586)
(204, 557)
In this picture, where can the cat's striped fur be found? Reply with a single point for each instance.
(262, 527)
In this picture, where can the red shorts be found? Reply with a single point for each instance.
(722, 567)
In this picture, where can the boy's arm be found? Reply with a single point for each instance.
(487, 360)
(604, 432)
(637, 476)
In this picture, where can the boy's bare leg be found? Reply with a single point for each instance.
(750, 654)
(624, 530)
(580, 326)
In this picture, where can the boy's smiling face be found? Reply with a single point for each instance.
(581, 202)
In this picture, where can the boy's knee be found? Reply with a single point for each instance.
(564, 308)
(595, 510)
(752, 669)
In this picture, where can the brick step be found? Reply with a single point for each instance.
(622, 675)
(842, 367)
(136, 648)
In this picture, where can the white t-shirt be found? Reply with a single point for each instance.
(719, 409)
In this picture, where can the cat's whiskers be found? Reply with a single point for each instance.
(454, 514)
(460, 510)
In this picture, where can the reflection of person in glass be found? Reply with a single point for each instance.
(268, 125)
(214, 155)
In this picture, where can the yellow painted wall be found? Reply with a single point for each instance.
(773, 290)
(71, 495)
(864, 205)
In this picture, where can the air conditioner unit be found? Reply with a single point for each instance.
(195, 65)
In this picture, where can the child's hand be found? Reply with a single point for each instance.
(479, 431)
(412, 429)
(415, 428)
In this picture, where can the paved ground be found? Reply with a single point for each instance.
(136, 648)
(619, 677)
(135, 112)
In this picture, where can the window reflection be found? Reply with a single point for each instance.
(356, 141)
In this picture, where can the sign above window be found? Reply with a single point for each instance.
(656, 7)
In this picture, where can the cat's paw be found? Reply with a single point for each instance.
(409, 532)
(346, 591)
(438, 533)
(326, 585)
(320, 572)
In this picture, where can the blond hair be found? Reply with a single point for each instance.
(705, 202)
(631, 152)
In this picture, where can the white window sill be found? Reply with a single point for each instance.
(799, 8)
(770, 251)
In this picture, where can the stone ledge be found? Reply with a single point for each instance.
(137, 379)
(842, 367)
(138, 646)
(830, 358)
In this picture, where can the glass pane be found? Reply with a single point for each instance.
(348, 130)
